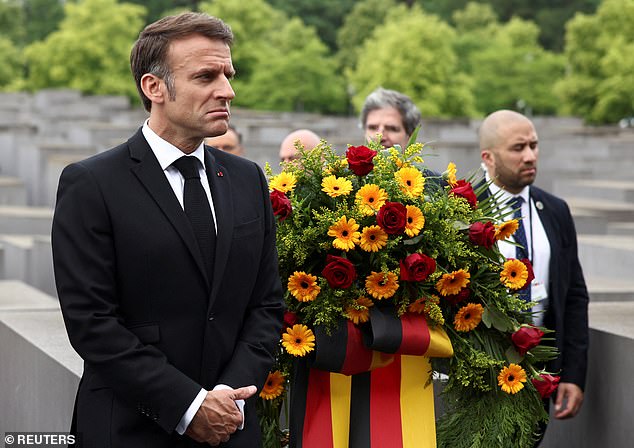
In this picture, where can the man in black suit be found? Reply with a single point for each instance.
(175, 308)
(509, 150)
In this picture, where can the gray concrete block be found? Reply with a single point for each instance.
(26, 220)
(610, 289)
(12, 191)
(606, 256)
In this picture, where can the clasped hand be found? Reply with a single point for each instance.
(218, 417)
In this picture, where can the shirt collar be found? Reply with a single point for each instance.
(165, 152)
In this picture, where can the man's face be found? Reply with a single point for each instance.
(512, 163)
(228, 142)
(202, 70)
(389, 123)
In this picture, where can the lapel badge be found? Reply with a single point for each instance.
(539, 205)
(219, 173)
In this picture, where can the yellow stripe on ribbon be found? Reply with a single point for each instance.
(417, 403)
(439, 343)
(340, 391)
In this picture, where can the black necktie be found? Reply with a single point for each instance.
(520, 238)
(197, 209)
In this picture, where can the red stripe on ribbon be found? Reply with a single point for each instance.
(358, 357)
(385, 406)
(415, 334)
(317, 431)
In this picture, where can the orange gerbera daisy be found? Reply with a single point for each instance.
(298, 340)
(417, 306)
(381, 285)
(452, 282)
(373, 239)
(283, 182)
(411, 181)
(511, 379)
(335, 186)
(303, 286)
(415, 220)
(514, 274)
(361, 312)
(468, 317)
(371, 198)
(506, 229)
(274, 386)
(346, 234)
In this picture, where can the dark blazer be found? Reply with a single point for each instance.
(136, 301)
(567, 311)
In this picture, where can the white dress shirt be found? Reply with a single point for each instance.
(538, 246)
(166, 154)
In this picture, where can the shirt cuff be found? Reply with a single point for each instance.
(188, 416)
(239, 403)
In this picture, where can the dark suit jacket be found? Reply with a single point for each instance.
(567, 311)
(136, 301)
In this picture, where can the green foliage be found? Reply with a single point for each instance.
(11, 67)
(599, 81)
(358, 26)
(412, 52)
(12, 22)
(90, 51)
(41, 18)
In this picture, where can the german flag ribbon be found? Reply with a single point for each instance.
(352, 395)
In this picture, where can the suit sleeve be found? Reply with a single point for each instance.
(575, 352)
(86, 281)
(254, 353)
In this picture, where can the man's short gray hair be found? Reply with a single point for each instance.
(381, 98)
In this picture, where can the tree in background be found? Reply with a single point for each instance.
(11, 67)
(41, 18)
(508, 66)
(599, 81)
(412, 52)
(90, 51)
(326, 16)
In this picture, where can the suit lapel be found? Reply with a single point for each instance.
(150, 174)
(546, 216)
(220, 184)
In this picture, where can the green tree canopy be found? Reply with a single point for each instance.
(412, 52)
(11, 67)
(90, 51)
(599, 81)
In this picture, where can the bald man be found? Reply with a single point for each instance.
(510, 149)
(307, 138)
(230, 141)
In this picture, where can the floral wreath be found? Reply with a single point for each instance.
(375, 226)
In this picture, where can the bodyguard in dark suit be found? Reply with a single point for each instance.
(167, 274)
(509, 149)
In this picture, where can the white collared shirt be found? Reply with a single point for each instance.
(537, 241)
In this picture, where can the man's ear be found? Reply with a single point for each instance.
(487, 157)
(153, 88)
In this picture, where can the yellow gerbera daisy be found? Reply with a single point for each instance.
(506, 229)
(303, 286)
(451, 173)
(514, 274)
(345, 232)
(415, 221)
(511, 379)
(283, 182)
(411, 181)
(373, 239)
(417, 306)
(273, 387)
(371, 198)
(380, 285)
(452, 282)
(335, 186)
(360, 313)
(468, 317)
(298, 340)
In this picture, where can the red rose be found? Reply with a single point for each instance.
(281, 204)
(546, 384)
(290, 319)
(339, 272)
(526, 338)
(417, 267)
(392, 218)
(463, 189)
(531, 274)
(463, 295)
(360, 159)
(482, 234)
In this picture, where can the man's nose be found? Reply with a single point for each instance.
(225, 91)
